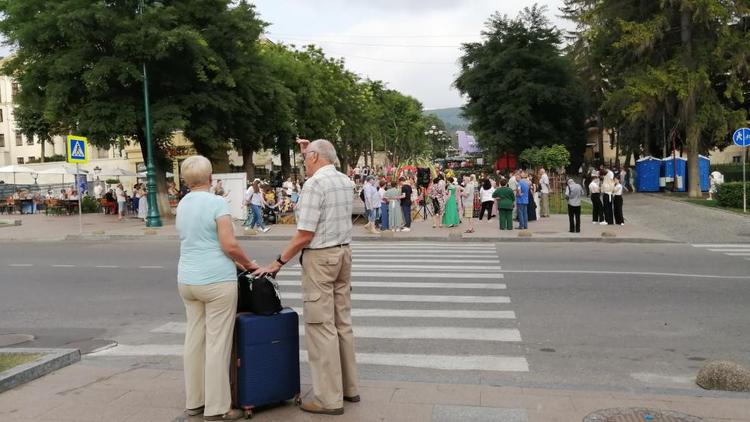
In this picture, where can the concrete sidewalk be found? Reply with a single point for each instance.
(89, 392)
(107, 227)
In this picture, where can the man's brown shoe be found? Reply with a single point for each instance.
(313, 407)
(352, 399)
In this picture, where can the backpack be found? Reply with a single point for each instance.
(362, 195)
(259, 295)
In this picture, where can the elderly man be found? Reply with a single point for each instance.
(372, 203)
(544, 187)
(324, 230)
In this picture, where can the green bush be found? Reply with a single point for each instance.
(89, 204)
(731, 172)
(729, 195)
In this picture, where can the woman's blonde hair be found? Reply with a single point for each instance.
(196, 170)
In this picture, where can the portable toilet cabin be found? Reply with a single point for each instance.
(669, 173)
(704, 169)
(647, 174)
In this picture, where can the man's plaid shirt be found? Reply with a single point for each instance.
(325, 207)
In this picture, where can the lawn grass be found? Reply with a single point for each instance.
(11, 360)
(558, 205)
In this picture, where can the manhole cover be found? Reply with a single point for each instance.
(635, 414)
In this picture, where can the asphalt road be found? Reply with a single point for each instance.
(639, 317)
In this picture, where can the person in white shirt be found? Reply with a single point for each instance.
(597, 215)
(544, 188)
(485, 196)
(608, 190)
(513, 185)
(715, 179)
(372, 203)
(98, 189)
(619, 219)
(121, 200)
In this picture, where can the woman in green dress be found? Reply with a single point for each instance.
(450, 216)
(395, 215)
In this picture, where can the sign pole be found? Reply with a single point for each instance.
(744, 182)
(80, 211)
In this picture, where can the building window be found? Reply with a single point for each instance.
(19, 160)
(102, 153)
(2, 140)
(1, 114)
(19, 140)
(30, 141)
(14, 88)
(736, 158)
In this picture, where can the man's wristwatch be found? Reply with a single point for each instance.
(278, 259)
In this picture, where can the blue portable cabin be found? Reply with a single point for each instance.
(704, 169)
(668, 172)
(647, 174)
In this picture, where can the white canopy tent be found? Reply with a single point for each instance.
(63, 170)
(15, 168)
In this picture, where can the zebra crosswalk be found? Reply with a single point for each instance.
(740, 250)
(436, 306)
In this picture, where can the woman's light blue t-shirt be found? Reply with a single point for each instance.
(201, 259)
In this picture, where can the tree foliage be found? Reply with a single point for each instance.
(521, 88)
(677, 64)
(551, 157)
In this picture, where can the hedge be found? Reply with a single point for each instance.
(731, 172)
(730, 194)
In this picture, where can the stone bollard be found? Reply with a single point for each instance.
(524, 233)
(725, 376)
(608, 234)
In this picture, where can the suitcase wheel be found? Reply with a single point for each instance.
(297, 400)
(249, 414)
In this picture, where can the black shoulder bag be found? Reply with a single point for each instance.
(258, 295)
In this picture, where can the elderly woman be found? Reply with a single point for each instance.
(207, 282)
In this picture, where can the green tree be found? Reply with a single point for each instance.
(521, 88)
(79, 63)
(678, 64)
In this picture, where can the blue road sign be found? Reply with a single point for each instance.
(77, 149)
(741, 137)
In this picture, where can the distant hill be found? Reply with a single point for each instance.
(451, 116)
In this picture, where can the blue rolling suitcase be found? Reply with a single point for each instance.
(265, 367)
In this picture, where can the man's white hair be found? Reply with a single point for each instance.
(325, 149)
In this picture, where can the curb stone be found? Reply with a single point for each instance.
(52, 360)
(399, 239)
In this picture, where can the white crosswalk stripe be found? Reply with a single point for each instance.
(728, 249)
(410, 309)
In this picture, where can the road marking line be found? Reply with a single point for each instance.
(407, 285)
(426, 249)
(170, 328)
(421, 274)
(422, 244)
(63, 266)
(356, 256)
(21, 265)
(357, 260)
(738, 254)
(729, 245)
(107, 266)
(427, 313)
(730, 250)
(635, 273)
(443, 362)
(414, 298)
(145, 267)
(426, 267)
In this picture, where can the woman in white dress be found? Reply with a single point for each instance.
(142, 203)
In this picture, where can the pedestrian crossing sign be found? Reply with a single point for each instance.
(77, 149)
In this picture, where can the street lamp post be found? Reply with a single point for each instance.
(152, 218)
(435, 134)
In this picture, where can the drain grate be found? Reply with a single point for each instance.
(635, 414)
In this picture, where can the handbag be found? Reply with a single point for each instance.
(258, 295)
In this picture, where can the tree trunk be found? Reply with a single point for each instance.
(692, 127)
(247, 162)
(160, 161)
(42, 141)
(600, 137)
(282, 145)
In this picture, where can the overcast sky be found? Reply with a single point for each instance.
(412, 45)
